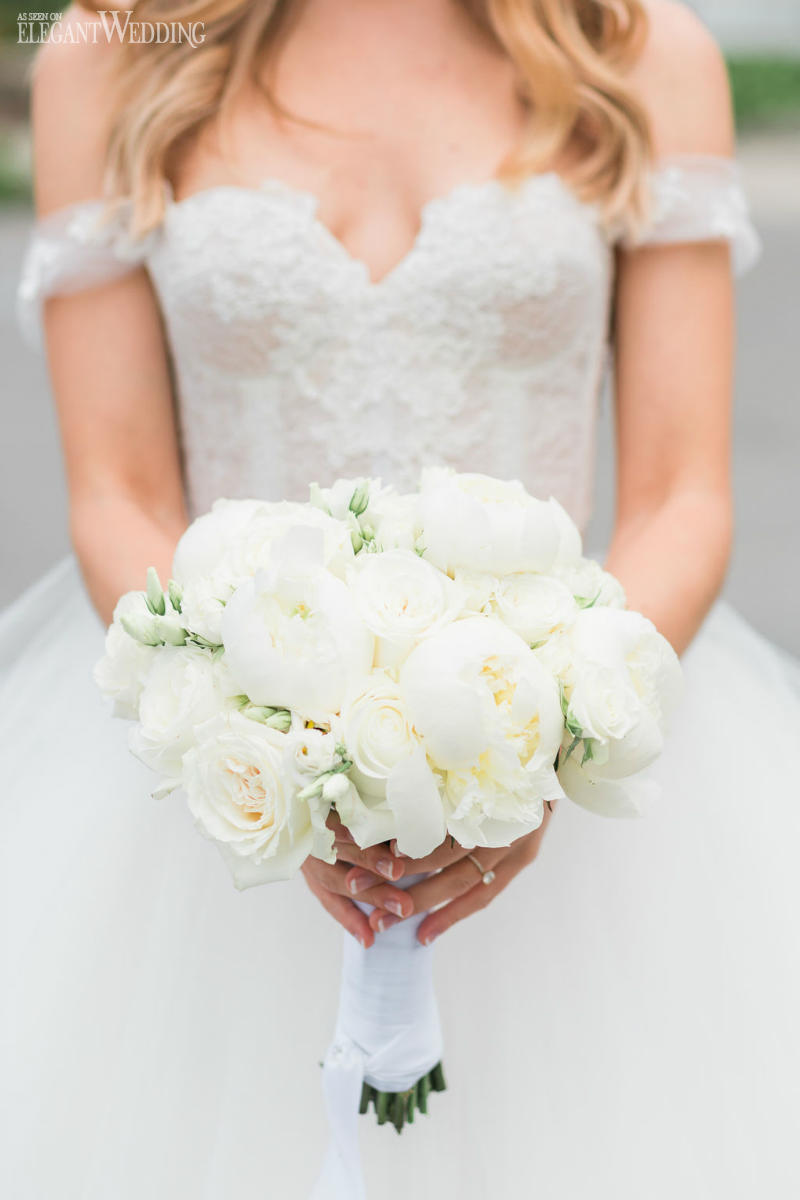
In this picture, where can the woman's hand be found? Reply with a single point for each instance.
(454, 888)
(458, 890)
(358, 873)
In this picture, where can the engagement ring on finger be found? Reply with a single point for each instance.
(486, 876)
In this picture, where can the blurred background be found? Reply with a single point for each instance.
(762, 43)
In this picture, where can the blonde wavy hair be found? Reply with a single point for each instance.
(570, 58)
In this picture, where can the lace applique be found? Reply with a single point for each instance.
(72, 249)
(697, 197)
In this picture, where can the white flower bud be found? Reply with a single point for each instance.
(335, 787)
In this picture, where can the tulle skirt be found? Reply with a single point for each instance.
(622, 1022)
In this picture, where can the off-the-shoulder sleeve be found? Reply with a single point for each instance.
(695, 198)
(72, 249)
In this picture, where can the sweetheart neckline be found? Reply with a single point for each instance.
(275, 186)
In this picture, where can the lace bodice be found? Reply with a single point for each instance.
(483, 348)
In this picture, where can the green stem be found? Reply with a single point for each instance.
(397, 1108)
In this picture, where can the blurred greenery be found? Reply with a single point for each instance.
(766, 90)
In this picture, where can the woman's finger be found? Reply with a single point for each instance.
(370, 889)
(469, 902)
(348, 915)
(447, 885)
(377, 859)
(514, 860)
(448, 852)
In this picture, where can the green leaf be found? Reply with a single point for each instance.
(588, 751)
(586, 602)
(572, 746)
(573, 726)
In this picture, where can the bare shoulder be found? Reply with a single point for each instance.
(682, 81)
(72, 90)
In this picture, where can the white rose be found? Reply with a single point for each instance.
(624, 685)
(294, 640)
(240, 789)
(309, 752)
(484, 524)
(126, 664)
(185, 688)
(590, 584)
(490, 718)
(534, 606)
(401, 599)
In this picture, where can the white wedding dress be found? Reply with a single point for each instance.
(622, 1023)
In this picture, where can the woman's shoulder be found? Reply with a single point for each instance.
(681, 79)
(72, 98)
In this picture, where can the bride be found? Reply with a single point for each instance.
(359, 238)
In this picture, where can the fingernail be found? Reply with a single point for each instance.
(386, 867)
(386, 923)
(428, 939)
(394, 906)
(360, 882)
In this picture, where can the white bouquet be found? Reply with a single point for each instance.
(443, 663)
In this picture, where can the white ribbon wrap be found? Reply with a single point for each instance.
(387, 1034)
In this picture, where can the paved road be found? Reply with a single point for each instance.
(765, 577)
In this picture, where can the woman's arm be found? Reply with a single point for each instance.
(674, 356)
(106, 352)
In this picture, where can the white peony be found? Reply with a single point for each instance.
(294, 640)
(126, 664)
(534, 606)
(477, 587)
(276, 531)
(203, 546)
(240, 787)
(484, 524)
(490, 718)
(623, 686)
(401, 599)
(396, 793)
(224, 548)
(185, 688)
(590, 584)
(395, 520)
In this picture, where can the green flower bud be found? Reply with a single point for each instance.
(175, 592)
(357, 540)
(257, 712)
(170, 633)
(280, 720)
(155, 593)
(141, 629)
(359, 499)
